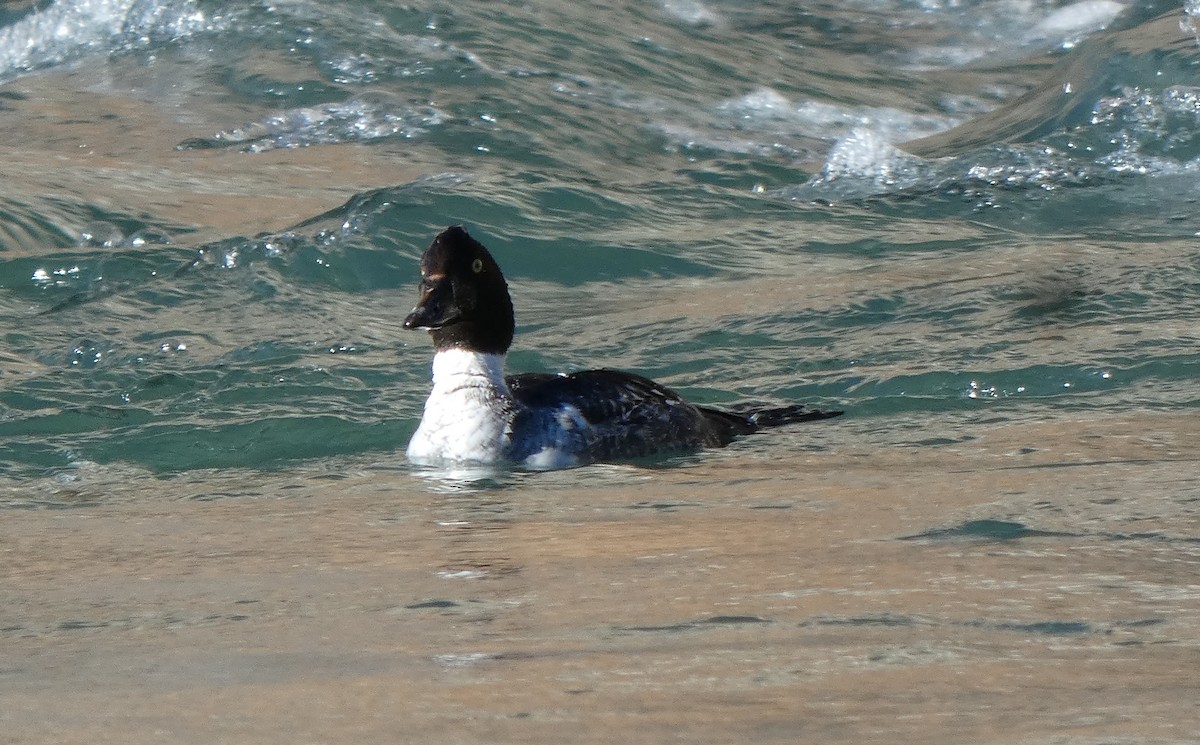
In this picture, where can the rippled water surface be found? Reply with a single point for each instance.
(212, 211)
(973, 226)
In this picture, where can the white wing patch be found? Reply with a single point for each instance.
(551, 459)
(571, 419)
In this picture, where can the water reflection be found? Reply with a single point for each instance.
(465, 478)
(471, 526)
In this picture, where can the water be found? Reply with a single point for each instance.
(973, 226)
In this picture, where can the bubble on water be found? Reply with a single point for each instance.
(101, 234)
(148, 236)
(975, 389)
(87, 354)
(56, 277)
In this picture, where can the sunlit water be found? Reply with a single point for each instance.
(941, 217)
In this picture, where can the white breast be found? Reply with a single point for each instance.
(468, 415)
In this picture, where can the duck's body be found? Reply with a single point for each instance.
(539, 420)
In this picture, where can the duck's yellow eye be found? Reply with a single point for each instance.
(477, 266)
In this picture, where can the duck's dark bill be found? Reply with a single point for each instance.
(435, 309)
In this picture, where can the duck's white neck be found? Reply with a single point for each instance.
(468, 414)
(458, 368)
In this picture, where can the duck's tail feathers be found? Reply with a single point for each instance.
(777, 417)
(744, 420)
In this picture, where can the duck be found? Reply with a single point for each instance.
(477, 414)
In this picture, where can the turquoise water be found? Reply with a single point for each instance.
(983, 212)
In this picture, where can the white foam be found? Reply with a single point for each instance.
(765, 109)
(864, 153)
(691, 12)
(65, 30)
(1079, 18)
(1007, 29)
(863, 163)
(358, 119)
(1187, 24)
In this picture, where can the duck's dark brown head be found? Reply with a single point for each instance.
(464, 300)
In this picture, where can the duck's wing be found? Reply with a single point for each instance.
(625, 415)
(616, 415)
